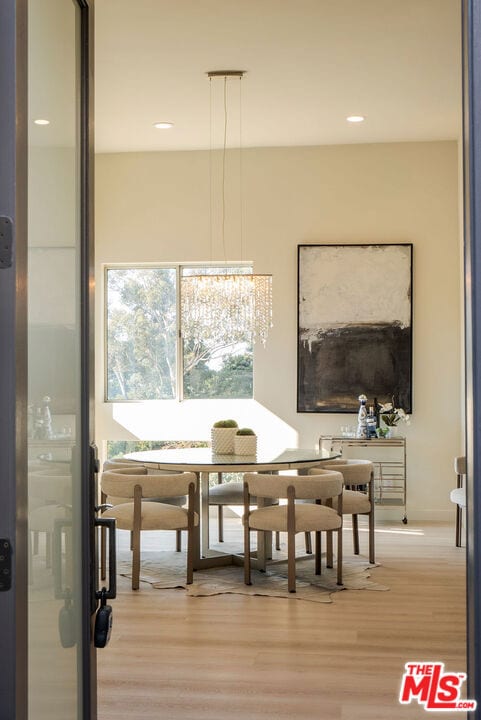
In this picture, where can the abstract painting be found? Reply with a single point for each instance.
(354, 326)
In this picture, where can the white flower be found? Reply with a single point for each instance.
(387, 407)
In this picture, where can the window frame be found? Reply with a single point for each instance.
(179, 344)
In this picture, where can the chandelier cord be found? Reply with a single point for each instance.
(241, 204)
(211, 192)
(223, 167)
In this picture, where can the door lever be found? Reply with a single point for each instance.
(102, 507)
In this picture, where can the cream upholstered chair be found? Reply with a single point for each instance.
(458, 496)
(119, 464)
(230, 493)
(294, 517)
(138, 513)
(358, 496)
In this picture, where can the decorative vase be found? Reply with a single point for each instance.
(245, 444)
(392, 431)
(223, 440)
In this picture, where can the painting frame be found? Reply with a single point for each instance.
(354, 325)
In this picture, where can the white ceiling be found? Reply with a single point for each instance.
(309, 64)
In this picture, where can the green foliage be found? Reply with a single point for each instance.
(234, 379)
(141, 334)
(245, 431)
(142, 344)
(225, 424)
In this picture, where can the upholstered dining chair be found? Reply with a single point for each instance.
(229, 493)
(358, 496)
(104, 499)
(294, 517)
(458, 496)
(136, 512)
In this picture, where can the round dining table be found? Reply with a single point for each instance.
(202, 462)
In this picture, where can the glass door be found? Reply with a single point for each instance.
(47, 598)
(58, 430)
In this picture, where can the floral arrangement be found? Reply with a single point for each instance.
(391, 415)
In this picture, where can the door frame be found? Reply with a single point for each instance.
(471, 18)
(88, 661)
(13, 356)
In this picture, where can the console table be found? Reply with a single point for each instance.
(388, 455)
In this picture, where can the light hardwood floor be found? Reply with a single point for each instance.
(232, 657)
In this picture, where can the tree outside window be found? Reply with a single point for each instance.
(144, 357)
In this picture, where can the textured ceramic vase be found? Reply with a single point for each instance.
(245, 444)
(223, 440)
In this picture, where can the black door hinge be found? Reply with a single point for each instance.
(6, 238)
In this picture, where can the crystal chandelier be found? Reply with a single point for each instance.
(240, 303)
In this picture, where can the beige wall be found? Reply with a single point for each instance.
(153, 207)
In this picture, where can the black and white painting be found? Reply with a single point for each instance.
(354, 326)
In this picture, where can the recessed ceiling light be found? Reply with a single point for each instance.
(163, 125)
(41, 121)
(355, 118)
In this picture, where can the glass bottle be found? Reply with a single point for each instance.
(371, 423)
(362, 418)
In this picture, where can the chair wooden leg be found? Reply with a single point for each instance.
(220, 519)
(220, 513)
(247, 536)
(329, 552)
(247, 556)
(136, 562)
(291, 540)
(190, 557)
(318, 552)
(307, 535)
(278, 541)
(291, 562)
(178, 540)
(131, 540)
(355, 534)
(458, 526)
(190, 535)
(372, 552)
(135, 537)
(339, 556)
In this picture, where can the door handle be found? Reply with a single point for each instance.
(111, 592)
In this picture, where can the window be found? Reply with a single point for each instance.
(152, 353)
